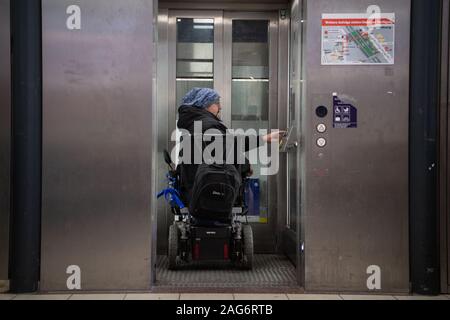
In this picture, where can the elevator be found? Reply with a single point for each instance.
(334, 217)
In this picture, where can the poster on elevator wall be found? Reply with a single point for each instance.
(345, 115)
(358, 39)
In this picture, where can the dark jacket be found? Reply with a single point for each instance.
(187, 116)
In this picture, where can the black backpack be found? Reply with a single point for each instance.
(214, 192)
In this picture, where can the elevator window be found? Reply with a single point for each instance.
(250, 71)
(195, 55)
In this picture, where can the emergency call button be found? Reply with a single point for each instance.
(321, 111)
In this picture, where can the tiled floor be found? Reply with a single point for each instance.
(366, 297)
(205, 296)
(314, 297)
(421, 298)
(221, 296)
(260, 297)
(152, 296)
(98, 296)
(42, 297)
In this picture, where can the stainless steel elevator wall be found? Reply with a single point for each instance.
(356, 188)
(98, 143)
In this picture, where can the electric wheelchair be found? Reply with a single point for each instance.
(208, 203)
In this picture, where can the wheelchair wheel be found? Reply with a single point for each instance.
(173, 247)
(247, 234)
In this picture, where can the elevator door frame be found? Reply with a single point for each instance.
(293, 235)
(222, 81)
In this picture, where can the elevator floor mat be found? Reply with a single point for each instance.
(270, 272)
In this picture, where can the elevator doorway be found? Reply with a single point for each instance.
(239, 54)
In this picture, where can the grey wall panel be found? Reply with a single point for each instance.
(356, 198)
(5, 134)
(98, 144)
(164, 216)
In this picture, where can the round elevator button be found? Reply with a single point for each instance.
(321, 128)
(321, 142)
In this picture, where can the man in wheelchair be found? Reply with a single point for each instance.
(207, 197)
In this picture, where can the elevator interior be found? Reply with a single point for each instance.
(244, 55)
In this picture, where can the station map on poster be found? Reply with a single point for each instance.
(358, 39)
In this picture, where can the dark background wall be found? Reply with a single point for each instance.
(425, 78)
(5, 135)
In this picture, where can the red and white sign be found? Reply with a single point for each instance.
(358, 39)
(356, 22)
